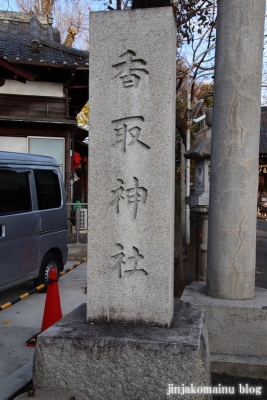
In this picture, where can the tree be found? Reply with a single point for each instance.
(192, 67)
(192, 83)
(191, 15)
(264, 71)
(83, 116)
(194, 16)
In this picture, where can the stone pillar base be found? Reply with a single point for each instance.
(237, 331)
(124, 362)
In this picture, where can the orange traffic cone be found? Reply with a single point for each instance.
(52, 309)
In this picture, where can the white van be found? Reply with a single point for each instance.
(33, 218)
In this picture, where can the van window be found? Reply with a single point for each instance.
(48, 189)
(14, 192)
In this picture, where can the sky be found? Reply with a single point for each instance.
(9, 5)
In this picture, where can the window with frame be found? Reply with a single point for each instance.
(15, 194)
(53, 147)
(48, 189)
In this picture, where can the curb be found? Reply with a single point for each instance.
(16, 381)
(77, 251)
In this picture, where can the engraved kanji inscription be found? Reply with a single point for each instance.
(136, 194)
(131, 69)
(134, 260)
(117, 196)
(128, 130)
(118, 258)
(131, 262)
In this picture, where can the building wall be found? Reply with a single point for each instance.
(33, 88)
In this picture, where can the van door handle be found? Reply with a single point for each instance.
(2, 231)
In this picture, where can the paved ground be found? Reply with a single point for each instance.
(22, 320)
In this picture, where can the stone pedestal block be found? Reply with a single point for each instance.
(237, 331)
(123, 362)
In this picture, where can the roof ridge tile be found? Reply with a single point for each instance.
(25, 38)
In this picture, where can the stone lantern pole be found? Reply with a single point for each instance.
(199, 200)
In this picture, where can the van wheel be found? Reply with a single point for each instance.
(50, 260)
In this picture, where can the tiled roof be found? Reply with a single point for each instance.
(201, 149)
(31, 38)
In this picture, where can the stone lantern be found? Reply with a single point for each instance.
(199, 200)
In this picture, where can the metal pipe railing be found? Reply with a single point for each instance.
(77, 218)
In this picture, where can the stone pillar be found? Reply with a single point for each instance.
(235, 149)
(130, 341)
(132, 164)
